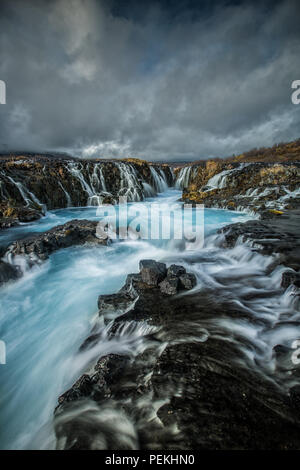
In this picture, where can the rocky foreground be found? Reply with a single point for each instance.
(183, 390)
(185, 383)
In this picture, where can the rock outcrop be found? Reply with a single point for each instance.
(37, 248)
(278, 236)
(8, 272)
(266, 188)
(31, 184)
(176, 393)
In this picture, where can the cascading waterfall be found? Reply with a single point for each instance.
(62, 294)
(68, 198)
(75, 169)
(159, 181)
(130, 185)
(92, 180)
(183, 177)
(148, 189)
(220, 180)
(28, 196)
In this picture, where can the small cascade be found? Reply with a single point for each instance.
(183, 177)
(98, 176)
(220, 180)
(159, 180)
(148, 190)
(28, 197)
(68, 198)
(130, 186)
(21, 190)
(76, 170)
(92, 182)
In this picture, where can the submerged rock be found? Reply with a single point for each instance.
(196, 382)
(38, 247)
(8, 272)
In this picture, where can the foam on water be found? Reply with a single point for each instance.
(47, 314)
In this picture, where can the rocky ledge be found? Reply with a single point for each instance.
(276, 236)
(266, 188)
(30, 184)
(36, 248)
(183, 389)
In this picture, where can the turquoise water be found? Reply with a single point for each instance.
(46, 315)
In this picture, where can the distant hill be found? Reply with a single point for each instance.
(283, 152)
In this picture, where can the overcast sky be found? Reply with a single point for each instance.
(157, 80)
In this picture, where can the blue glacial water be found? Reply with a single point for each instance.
(46, 315)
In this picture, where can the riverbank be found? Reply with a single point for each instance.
(160, 366)
(215, 370)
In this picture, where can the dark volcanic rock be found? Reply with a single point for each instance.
(40, 246)
(274, 236)
(29, 183)
(37, 248)
(219, 408)
(169, 286)
(152, 272)
(188, 281)
(112, 305)
(295, 396)
(175, 270)
(211, 400)
(8, 272)
(289, 277)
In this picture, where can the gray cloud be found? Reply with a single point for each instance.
(83, 79)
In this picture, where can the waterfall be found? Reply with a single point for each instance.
(68, 198)
(75, 169)
(91, 183)
(100, 179)
(159, 180)
(220, 180)
(28, 197)
(130, 186)
(184, 177)
(21, 190)
(148, 190)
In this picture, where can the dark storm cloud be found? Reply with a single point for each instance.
(171, 80)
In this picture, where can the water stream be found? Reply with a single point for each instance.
(46, 315)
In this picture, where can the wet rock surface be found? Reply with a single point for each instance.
(264, 188)
(37, 247)
(31, 183)
(278, 236)
(8, 272)
(202, 389)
